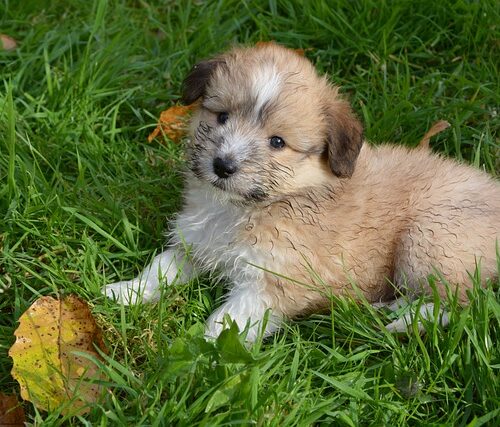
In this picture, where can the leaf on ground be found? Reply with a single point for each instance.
(11, 412)
(173, 122)
(54, 343)
(7, 42)
(436, 128)
(300, 52)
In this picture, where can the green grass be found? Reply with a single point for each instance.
(84, 200)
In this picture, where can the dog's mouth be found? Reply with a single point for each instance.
(255, 194)
(234, 188)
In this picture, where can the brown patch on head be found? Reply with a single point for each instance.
(195, 84)
(344, 137)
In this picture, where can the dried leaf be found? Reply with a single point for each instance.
(436, 128)
(7, 42)
(265, 43)
(173, 122)
(47, 365)
(299, 51)
(11, 412)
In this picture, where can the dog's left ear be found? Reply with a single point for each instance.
(195, 83)
(344, 137)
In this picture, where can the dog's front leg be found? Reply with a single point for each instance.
(248, 307)
(170, 266)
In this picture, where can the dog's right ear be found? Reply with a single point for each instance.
(344, 137)
(196, 82)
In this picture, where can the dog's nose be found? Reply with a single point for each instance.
(224, 168)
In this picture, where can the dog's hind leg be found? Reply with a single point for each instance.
(418, 257)
(425, 311)
(170, 266)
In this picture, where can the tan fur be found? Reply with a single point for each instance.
(403, 214)
(324, 214)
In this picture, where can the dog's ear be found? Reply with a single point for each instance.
(344, 137)
(195, 83)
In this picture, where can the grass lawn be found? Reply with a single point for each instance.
(85, 200)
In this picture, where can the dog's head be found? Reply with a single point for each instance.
(268, 125)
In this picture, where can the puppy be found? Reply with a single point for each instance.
(285, 200)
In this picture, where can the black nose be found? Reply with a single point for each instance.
(224, 168)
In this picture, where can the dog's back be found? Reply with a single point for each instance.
(443, 216)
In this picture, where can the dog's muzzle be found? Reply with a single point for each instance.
(224, 167)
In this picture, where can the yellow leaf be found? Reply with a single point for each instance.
(173, 122)
(46, 366)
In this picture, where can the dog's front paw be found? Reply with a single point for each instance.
(221, 319)
(131, 292)
(250, 318)
(213, 328)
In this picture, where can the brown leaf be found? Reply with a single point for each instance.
(299, 51)
(173, 122)
(7, 42)
(46, 364)
(265, 43)
(11, 411)
(436, 128)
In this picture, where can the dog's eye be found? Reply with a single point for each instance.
(222, 117)
(276, 142)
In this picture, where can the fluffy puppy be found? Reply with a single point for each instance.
(285, 200)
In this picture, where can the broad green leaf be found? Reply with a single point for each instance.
(218, 399)
(230, 345)
(224, 394)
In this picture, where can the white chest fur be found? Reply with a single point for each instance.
(209, 229)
